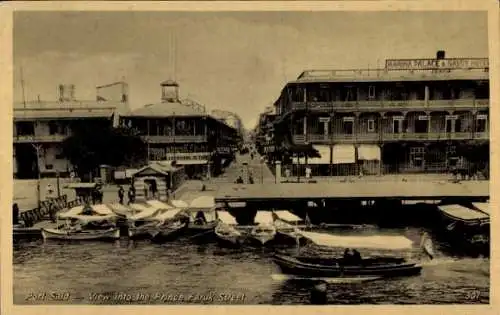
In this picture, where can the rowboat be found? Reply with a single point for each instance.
(225, 231)
(202, 217)
(170, 224)
(264, 231)
(97, 222)
(143, 222)
(62, 234)
(287, 231)
(322, 266)
(335, 268)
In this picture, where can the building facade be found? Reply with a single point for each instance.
(40, 127)
(412, 116)
(181, 131)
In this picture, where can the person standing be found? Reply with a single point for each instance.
(131, 194)
(308, 172)
(121, 193)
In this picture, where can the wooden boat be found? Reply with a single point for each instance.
(97, 222)
(467, 228)
(63, 234)
(225, 231)
(171, 224)
(335, 268)
(202, 217)
(318, 266)
(143, 222)
(265, 231)
(288, 234)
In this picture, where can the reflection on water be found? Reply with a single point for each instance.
(142, 272)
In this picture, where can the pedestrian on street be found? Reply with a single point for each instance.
(121, 193)
(131, 194)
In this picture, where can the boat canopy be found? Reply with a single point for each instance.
(264, 217)
(169, 214)
(287, 216)
(102, 209)
(75, 213)
(226, 218)
(462, 213)
(482, 206)
(390, 242)
(179, 204)
(145, 212)
(203, 202)
(159, 205)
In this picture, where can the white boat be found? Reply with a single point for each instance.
(264, 231)
(225, 230)
(202, 215)
(97, 222)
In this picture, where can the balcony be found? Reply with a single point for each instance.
(174, 139)
(39, 138)
(388, 137)
(392, 105)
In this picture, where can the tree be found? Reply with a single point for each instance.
(91, 146)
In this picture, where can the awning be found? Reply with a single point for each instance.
(389, 242)
(324, 152)
(344, 154)
(191, 162)
(264, 217)
(369, 152)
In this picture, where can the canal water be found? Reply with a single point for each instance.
(132, 272)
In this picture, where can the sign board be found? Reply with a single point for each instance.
(436, 64)
(348, 118)
(423, 117)
(324, 119)
(451, 117)
(398, 118)
(482, 116)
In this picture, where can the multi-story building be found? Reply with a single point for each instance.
(40, 127)
(264, 133)
(181, 131)
(411, 116)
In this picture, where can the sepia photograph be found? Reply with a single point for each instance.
(230, 157)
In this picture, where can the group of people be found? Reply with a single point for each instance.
(130, 193)
(240, 180)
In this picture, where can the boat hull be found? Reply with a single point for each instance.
(169, 232)
(110, 234)
(291, 266)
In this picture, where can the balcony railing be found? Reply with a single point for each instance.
(40, 138)
(412, 136)
(174, 139)
(391, 105)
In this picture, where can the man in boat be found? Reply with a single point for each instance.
(200, 218)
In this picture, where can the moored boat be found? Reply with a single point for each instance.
(264, 232)
(97, 222)
(287, 231)
(143, 222)
(202, 217)
(225, 231)
(171, 224)
(467, 227)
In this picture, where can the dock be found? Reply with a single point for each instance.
(357, 190)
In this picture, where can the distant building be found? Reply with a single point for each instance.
(41, 126)
(411, 116)
(182, 131)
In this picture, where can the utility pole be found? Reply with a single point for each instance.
(38, 190)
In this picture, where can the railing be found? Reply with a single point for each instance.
(412, 136)
(388, 105)
(37, 138)
(174, 139)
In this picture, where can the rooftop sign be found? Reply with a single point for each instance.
(436, 64)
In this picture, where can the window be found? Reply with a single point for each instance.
(52, 127)
(481, 123)
(25, 128)
(371, 125)
(371, 91)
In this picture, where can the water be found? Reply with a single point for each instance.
(127, 272)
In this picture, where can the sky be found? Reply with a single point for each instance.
(236, 61)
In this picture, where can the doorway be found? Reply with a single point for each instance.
(27, 166)
(396, 126)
